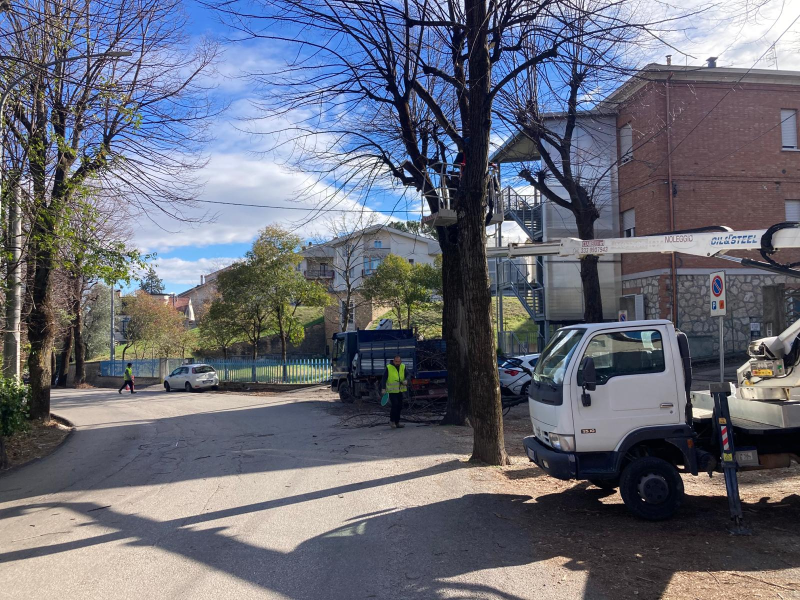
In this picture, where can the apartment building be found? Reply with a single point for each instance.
(699, 147)
(346, 261)
(692, 147)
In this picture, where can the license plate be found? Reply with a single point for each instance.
(762, 372)
(531, 454)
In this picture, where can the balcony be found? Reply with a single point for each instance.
(319, 274)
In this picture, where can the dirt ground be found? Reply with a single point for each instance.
(39, 441)
(693, 555)
(689, 556)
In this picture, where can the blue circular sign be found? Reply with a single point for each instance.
(716, 286)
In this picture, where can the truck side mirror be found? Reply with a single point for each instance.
(589, 375)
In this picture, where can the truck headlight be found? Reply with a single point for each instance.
(565, 443)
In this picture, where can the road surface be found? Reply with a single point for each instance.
(234, 496)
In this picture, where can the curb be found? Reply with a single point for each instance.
(61, 421)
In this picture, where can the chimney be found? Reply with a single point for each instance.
(669, 59)
(202, 279)
(712, 62)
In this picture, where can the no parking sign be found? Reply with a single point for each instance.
(717, 298)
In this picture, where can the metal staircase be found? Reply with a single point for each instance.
(525, 211)
(530, 295)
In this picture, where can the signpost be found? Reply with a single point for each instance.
(623, 315)
(719, 308)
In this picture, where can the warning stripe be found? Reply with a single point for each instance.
(725, 443)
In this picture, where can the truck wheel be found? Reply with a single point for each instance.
(344, 393)
(605, 484)
(651, 488)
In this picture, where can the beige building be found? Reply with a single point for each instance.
(344, 263)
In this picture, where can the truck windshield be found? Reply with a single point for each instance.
(555, 359)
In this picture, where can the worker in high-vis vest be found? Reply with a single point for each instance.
(127, 378)
(395, 382)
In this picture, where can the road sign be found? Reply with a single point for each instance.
(623, 315)
(718, 303)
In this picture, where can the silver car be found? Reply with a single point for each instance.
(515, 374)
(191, 378)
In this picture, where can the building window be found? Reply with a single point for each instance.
(411, 261)
(378, 244)
(793, 210)
(371, 265)
(629, 223)
(625, 144)
(789, 129)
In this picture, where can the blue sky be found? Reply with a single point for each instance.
(240, 171)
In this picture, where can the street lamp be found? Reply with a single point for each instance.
(12, 338)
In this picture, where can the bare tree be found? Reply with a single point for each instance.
(132, 126)
(349, 239)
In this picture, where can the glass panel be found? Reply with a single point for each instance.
(625, 353)
(555, 359)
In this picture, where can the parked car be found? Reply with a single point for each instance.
(515, 374)
(191, 378)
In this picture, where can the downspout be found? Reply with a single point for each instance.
(673, 269)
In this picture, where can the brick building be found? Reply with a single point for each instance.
(705, 146)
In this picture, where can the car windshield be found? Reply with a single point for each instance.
(553, 362)
(203, 369)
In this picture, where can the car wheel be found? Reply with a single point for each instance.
(651, 488)
(215, 387)
(166, 387)
(605, 484)
(344, 393)
(188, 387)
(524, 390)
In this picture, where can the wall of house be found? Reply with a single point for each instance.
(752, 310)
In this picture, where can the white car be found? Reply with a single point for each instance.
(191, 378)
(515, 374)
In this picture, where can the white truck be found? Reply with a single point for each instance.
(611, 403)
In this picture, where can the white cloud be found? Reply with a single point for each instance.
(179, 271)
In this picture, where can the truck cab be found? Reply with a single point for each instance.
(606, 395)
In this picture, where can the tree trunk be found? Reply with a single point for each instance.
(454, 330)
(283, 355)
(80, 352)
(590, 279)
(486, 413)
(66, 354)
(40, 332)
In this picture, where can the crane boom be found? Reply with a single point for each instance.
(705, 244)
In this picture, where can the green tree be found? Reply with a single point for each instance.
(275, 259)
(97, 321)
(404, 287)
(154, 326)
(151, 283)
(415, 227)
(219, 328)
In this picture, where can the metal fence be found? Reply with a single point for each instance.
(516, 344)
(145, 367)
(264, 370)
(267, 370)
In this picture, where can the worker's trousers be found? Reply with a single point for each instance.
(397, 407)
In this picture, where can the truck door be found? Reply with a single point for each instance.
(636, 387)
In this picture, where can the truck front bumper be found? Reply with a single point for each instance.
(560, 465)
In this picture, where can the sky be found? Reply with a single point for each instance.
(240, 170)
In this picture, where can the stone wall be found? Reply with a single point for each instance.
(746, 306)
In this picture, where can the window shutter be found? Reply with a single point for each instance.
(625, 143)
(789, 128)
(628, 219)
(793, 210)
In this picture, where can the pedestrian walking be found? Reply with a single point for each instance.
(394, 382)
(128, 379)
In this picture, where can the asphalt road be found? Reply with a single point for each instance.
(233, 496)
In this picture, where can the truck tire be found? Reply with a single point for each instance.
(344, 393)
(651, 488)
(605, 484)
